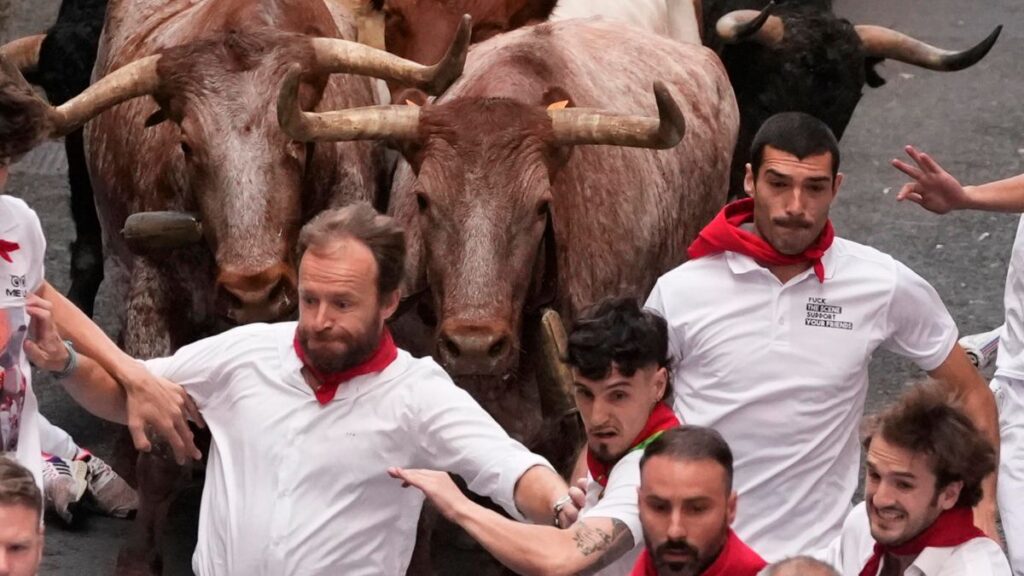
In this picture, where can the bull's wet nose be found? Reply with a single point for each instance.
(483, 348)
(264, 296)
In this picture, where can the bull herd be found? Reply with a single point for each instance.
(562, 160)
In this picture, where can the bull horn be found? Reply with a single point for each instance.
(881, 42)
(751, 25)
(555, 381)
(400, 123)
(150, 231)
(342, 56)
(23, 53)
(573, 126)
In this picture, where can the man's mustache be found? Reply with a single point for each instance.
(795, 223)
(677, 546)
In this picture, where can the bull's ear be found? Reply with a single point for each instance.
(411, 151)
(556, 98)
(525, 12)
(410, 97)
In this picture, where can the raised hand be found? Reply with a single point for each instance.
(438, 487)
(44, 347)
(933, 188)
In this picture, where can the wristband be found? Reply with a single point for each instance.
(72, 363)
(557, 508)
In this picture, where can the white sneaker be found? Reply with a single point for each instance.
(64, 483)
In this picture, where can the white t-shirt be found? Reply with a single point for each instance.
(19, 411)
(1010, 360)
(850, 552)
(618, 500)
(293, 487)
(781, 371)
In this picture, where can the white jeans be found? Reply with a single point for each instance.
(1010, 400)
(56, 441)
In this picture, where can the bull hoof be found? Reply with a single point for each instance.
(86, 273)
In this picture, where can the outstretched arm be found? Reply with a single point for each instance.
(152, 402)
(938, 191)
(586, 547)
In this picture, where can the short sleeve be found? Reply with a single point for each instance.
(460, 437)
(619, 500)
(919, 326)
(197, 367)
(37, 272)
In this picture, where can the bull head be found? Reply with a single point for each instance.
(878, 42)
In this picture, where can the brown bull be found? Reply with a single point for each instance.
(511, 206)
(205, 160)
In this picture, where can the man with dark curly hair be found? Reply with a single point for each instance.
(925, 465)
(618, 353)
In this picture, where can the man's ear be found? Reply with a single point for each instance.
(390, 303)
(949, 494)
(661, 382)
(731, 507)
(526, 12)
(836, 183)
(748, 180)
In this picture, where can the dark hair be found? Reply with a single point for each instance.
(383, 235)
(24, 117)
(618, 332)
(797, 133)
(688, 442)
(927, 420)
(802, 566)
(18, 487)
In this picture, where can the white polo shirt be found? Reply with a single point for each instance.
(850, 552)
(293, 487)
(781, 371)
(618, 500)
(19, 411)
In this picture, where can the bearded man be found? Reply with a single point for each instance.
(306, 418)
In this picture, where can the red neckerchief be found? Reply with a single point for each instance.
(662, 418)
(735, 559)
(381, 358)
(952, 528)
(6, 248)
(724, 234)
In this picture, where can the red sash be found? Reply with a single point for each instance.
(329, 381)
(6, 248)
(662, 418)
(735, 559)
(952, 528)
(724, 234)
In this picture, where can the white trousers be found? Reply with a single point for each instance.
(1010, 400)
(56, 441)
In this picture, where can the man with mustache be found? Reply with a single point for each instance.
(773, 322)
(925, 465)
(617, 353)
(306, 417)
(686, 506)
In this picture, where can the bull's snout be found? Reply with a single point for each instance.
(475, 348)
(265, 296)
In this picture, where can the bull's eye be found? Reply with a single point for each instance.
(543, 208)
(421, 201)
(186, 149)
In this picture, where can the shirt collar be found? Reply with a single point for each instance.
(743, 264)
(931, 560)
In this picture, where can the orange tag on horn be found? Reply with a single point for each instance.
(411, 103)
(558, 105)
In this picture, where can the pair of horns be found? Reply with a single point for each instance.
(878, 41)
(331, 55)
(399, 123)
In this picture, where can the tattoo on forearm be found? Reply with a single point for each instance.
(610, 547)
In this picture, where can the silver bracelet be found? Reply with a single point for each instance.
(557, 508)
(72, 363)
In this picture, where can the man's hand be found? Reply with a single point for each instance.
(985, 520)
(577, 500)
(44, 347)
(933, 188)
(438, 487)
(164, 407)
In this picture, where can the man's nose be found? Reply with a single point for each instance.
(676, 526)
(4, 567)
(883, 496)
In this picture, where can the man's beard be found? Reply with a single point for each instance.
(358, 349)
(697, 563)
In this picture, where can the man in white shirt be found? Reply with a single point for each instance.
(772, 323)
(306, 418)
(617, 353)
(925, 464)
(939, 192)
(21, 527)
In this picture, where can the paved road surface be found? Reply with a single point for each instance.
(970, 121)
